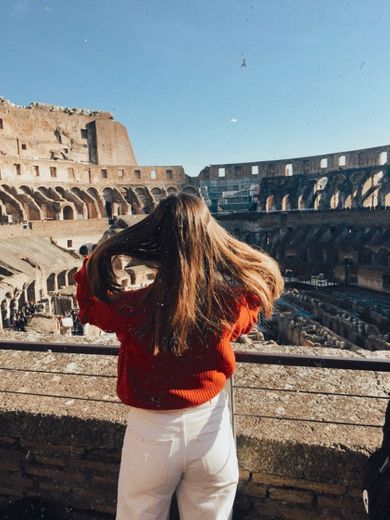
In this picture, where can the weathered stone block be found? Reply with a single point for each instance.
(253, 489)
(57, 474)
(11, 459)
(276, 510)
(43, 324)
(52, 459)
(8, 441)
(318, 487)
(102, 467)
(340, 503)
(292, 496)
(55, 486)
(244, 475)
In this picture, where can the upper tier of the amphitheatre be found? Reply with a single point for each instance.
(40, 132)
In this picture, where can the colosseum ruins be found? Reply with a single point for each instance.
(326, 218)
(303, 434)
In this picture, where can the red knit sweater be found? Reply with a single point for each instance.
(163, 381)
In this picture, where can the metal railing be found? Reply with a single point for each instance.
(258, 358)
(265, 358)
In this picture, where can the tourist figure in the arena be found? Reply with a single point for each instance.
(6, 310)
(176, 354)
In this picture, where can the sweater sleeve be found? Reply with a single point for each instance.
(92, 310)
(249, 310)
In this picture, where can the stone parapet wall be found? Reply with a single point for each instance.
(71, 464)
(303, 435)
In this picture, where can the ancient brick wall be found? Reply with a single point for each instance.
(73, 465)
(46, 132)
(261, 496)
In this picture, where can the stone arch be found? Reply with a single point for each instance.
(339, 179)
(143, 197)
(26, 189)
(71, 273)
(68, 213)
(133, 199)
(51, 282)
(12, 206)
(371, 183)
(371, 200)
(141, 194)
(31, 208)
(157, 194)
(31, 292)
(60, 190)
(348, 202)
(51, 193)
(286, 204)
(377, 177)
(90, 203)
(93, 192)
(122, 204)
(335, 200)
(367, 185)
(191, 190)
(44, 190)
(109, 196)
(74, 200)
(301, 202)
(62, 279)
(321, 183)
(171, 189)
(48, 207)
(270, 203)
(317, 201)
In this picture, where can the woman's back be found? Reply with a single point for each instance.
(164, 381)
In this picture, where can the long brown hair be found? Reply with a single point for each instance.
(200, 268)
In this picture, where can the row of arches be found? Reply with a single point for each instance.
(369, 189)
(64, 202)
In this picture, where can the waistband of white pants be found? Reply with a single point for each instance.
(220, 399)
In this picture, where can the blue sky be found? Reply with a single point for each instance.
(317, 75)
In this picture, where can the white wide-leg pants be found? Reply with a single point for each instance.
(190, 451)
